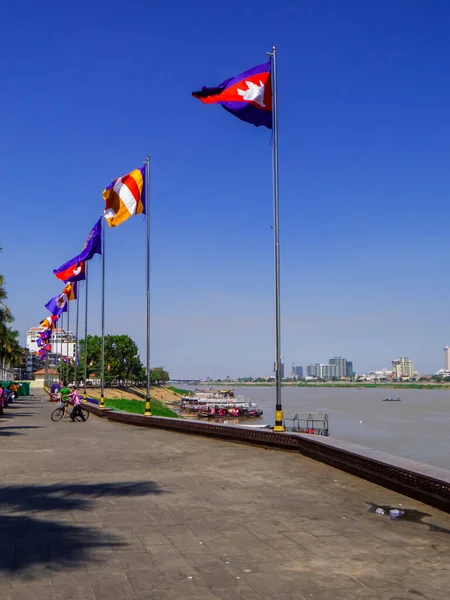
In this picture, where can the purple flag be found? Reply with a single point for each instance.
(92, 246)
(57, 305)
(247, 96)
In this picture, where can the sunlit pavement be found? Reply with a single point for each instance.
(108, 511)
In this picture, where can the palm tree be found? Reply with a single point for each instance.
(11, 352)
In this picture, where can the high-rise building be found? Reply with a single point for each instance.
(350, 372)
(281, 368)
(402, 367)
(446, 358)
(321, 371)
(63, 342)
(297, 372)
(341, 366)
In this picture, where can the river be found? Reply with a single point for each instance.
(418, 427)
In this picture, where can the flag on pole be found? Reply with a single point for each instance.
(49, 322)
(125, 197)
(70, 291)
(247, 96)
(75, 272)
(58, 305)
(92, 246)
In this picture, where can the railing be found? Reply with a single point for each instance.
(314, 423)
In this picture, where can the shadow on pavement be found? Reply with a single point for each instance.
(7, 430)
(30, 538)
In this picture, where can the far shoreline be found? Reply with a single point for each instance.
(334, 384)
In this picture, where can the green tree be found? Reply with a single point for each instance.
(158, 375)
(11, 353)
(122, 361)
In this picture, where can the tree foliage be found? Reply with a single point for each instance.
(122, 361)
(158, 375)
(11, 353)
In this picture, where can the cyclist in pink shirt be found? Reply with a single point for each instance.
(76, 399)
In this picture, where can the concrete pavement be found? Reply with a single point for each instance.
(104, 511)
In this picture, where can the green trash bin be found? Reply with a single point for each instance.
(24, 388)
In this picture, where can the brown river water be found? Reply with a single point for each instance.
(418, 427)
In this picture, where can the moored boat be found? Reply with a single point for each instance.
(217, 404)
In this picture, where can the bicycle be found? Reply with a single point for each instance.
(63, 412)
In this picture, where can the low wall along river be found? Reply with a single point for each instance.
(416, 428)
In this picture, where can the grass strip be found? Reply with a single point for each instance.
(180, 391)
(159, 409)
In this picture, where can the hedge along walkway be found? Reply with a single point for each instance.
(100, 510)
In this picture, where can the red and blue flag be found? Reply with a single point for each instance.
(247, 96)
(75, 272)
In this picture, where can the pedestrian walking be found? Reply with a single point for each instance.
(76, 399)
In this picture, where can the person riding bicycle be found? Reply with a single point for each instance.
(64, 391)
(76, 399)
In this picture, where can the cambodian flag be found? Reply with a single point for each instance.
(76, 272)
(92, 246)
(247, 96)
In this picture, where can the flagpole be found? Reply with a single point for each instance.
(76, 337)
(62, 349)
(147, 411)
(278, 407)
(102, 389)
(67, 341)
(85, 327)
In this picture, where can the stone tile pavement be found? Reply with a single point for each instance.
(105, 511)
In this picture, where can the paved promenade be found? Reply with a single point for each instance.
(104, 511)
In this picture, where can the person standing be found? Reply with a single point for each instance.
(55, 392)
(76, 399)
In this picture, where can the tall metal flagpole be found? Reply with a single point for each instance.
(67, 342)
(102, 390)
(86, 327)
(147, 411)
(278, 407)
(63, 378)
(76, 338)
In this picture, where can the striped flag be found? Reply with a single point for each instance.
(125, 197)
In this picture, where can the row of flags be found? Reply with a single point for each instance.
(248, 96)
(124, 197)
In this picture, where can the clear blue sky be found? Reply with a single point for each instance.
(88, 89)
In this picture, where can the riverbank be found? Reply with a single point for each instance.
(423, 385)
(133, 401)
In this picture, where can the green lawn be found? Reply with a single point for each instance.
(180, 391)
(136, 406)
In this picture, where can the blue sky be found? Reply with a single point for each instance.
(89, 90)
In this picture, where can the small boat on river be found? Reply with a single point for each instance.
(217, 404)
(391, 399)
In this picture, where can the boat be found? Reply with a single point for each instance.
(391, 399)
(217, 404)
